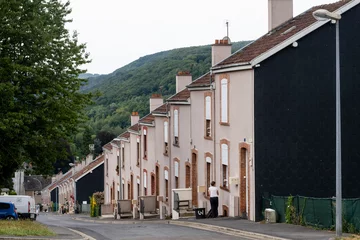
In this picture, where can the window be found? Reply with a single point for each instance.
(187, 178)
(208, 172)
(145, 182)
(208, 116)
(176, 127)
(138, 186)
(129, 191)
(145, 143)
(224, 100)
(224, 164)
(176, 173)
(166, 135)
(166, 176)
(123, 155)
(137, 151)
(107, 166)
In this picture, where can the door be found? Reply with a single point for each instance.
(243, 177)
(194, 179)
(157, 185)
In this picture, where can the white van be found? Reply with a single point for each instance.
(25, 205)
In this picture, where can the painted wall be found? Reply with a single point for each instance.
(90, 183)
(238, 130)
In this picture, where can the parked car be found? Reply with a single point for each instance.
(25, 205)
(8, 211)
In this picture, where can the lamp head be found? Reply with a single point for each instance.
(323, 15)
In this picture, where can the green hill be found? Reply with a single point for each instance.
(128, 88)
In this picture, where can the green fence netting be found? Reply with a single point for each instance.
(319, 212)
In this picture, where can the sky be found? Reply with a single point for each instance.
(118, 32)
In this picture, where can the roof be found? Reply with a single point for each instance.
(162, 109)
(125, 135)
(278, 35)
(134, 127)
(94, 164)
(108, 146)
(203, 81)
(148, 119)
(66, 176)
(181, 96)
(36, 182)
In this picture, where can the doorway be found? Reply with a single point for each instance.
(243, 177)
(194, 179)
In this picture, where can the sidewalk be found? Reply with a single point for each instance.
(232, 226)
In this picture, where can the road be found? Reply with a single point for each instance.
(146, 231)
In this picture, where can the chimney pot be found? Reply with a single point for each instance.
(216, 41)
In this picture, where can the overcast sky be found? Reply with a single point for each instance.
(118, 32)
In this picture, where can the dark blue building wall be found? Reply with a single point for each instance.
(89, 184)
(295, 115)
(54, 195)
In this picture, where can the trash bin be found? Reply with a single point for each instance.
(199, 213)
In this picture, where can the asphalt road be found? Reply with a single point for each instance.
(146, 231)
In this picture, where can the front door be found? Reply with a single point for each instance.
(243, 178)
(194, 179)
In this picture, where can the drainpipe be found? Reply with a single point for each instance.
(214, 127)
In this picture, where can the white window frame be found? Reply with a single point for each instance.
(224, 88)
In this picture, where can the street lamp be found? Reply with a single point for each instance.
(323, 15)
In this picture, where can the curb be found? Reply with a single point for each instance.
(85, 237)
(201, 226)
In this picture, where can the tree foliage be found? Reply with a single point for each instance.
(41, 105)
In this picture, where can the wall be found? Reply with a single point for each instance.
(90, 183)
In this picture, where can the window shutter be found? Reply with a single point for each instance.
(166, 129)
(208, 108)
(176, 165)
(208, 159)
(144, 131)
(176, 123)
(166, 174)
(224, 154)
(224, 100)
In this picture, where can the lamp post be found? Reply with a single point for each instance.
(323, 15)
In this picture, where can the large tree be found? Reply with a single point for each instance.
(40, 105)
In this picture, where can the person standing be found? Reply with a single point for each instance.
(214, 199)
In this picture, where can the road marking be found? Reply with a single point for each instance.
(87, 237)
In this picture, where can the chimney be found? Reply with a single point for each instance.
(155, 101)
(279, 12)
(220, 51)
(183, 78)
(134, 118)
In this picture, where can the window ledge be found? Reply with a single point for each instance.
(224, 123)
(208, 138)
(166, 154)
(145, 158)
(176, 145)
(225, 189)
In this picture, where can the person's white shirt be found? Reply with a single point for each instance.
(213, 191)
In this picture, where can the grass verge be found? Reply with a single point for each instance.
(24, 228)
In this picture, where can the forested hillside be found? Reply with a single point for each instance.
(128, 88)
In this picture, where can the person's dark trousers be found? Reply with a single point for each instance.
(214, 202)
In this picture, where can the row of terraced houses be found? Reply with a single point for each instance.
(261, 122)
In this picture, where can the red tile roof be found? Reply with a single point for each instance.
(162, 109)
(135, 127)
(147, 119)
(125, 135)
(94, 164)
(66, 176)
(203, 81)
(279, 35)
(181, 96)
(108, 146)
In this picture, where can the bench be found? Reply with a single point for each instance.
(178, 203)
